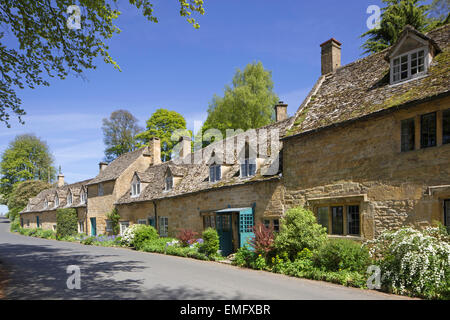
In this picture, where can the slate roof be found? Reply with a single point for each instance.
(362, 88)
(195, 176)
(37, 204)
(116, 167)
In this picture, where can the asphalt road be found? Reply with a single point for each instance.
(38, 270)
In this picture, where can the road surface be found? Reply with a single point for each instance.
(38, 270)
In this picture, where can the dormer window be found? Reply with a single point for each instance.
(169, 181)
(409, 65)
(56, 201)
(248, 168)
(69, 199)
(46, 204)
(135, 188)
(215, 173)
(83, 197)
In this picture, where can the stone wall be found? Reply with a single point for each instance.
(364, 158)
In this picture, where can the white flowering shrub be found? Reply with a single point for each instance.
(129, 234)
(414, 262)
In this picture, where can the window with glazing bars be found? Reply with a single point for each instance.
(446, 126)
(337, 220)
(408, 133)
(428, 130)
(353, 220)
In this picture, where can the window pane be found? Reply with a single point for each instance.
(446, 126)
(267, 223)
(322, 216)
(408, 133)
(276, 225)
(337, 220)
(428, 130)
(447, 214)
(353, 220)
(244, 170)
(211, 174)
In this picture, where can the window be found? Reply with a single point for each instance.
(337, 220)
(69, 199)
(54, 227)
(408, 134)
(447, 214)
(428, 130)
(83, 197)
(353, 220)
(408, 66)
(37, 222)
(151, 221)
(163, 226)
(28, 223)
(100, 189)
(248, 168)
(80, 226)
(446, 126)
(276, 225)
(123, 226)
(136, 188)
(266, 223)
(109, 226)
(215, 173)
(322, 216)
(142, 221)
(169, 181)
(209, 222)
(46, 204)
(56, 201)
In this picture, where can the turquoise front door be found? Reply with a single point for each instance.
(246, 223)
(225, 232)
(37, 222)
(93, 227)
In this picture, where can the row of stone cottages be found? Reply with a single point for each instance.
(368, 150)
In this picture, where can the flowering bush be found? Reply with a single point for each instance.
(414, 262)
(137, 234)
(129, 234)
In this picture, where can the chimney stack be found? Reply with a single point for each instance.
(60, 179)
(331, 56)
(102, 166)
(154, 148)
(185, 149)
(281, 111)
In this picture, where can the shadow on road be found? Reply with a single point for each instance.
(39, 272)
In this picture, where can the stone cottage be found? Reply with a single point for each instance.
(368, 150)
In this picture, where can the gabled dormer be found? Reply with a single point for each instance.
(135, 186)
(247, 161)
(83, 195)
(56, 203)
(69, 198)
(411, 56)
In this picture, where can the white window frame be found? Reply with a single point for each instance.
(122, 224)
(83, 197)
(80, 226)
(69, 197)
(168, 186)
(56, 201)
(100, 191)
(46, 204)
(163, 226)
(247, 162)
(136, 189)
(214, 177)
(410, 76)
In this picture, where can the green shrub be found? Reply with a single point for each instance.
(299, 230)
(15, 224)
(156, 245)
(244, 257)
(88, 241)
(66, 223)
(48, 234)
(342, 254)
(142, 234)
(114, 217)
(210, 244)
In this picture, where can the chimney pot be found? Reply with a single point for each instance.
(281, 111)
(60, 180)
(185, 146)
(102, 166)
(331, 56)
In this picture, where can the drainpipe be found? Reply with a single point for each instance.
(156, 215)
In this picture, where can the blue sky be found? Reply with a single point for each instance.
(172, 65)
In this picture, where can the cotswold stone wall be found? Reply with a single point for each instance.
(47, 220)
(365, 159)
(185, 212)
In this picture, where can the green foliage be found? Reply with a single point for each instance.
(15, 223)
(114, 216)
(49, 48)
(247, 104)
(26, 158)
(119, 133)
(142, 234)
(299, 230)
(37, 232)
(23, 191)
(210, 244)
(66, 222)
(166, 125)
(156, 245)
(395, 16)
(13, 214)
(342, 254)
(88, 241)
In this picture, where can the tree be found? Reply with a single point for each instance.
(26, 158)
(395, 16)
(49, 45)
(119, 133)
(247, 104)
(24, 190)
(166, 125)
